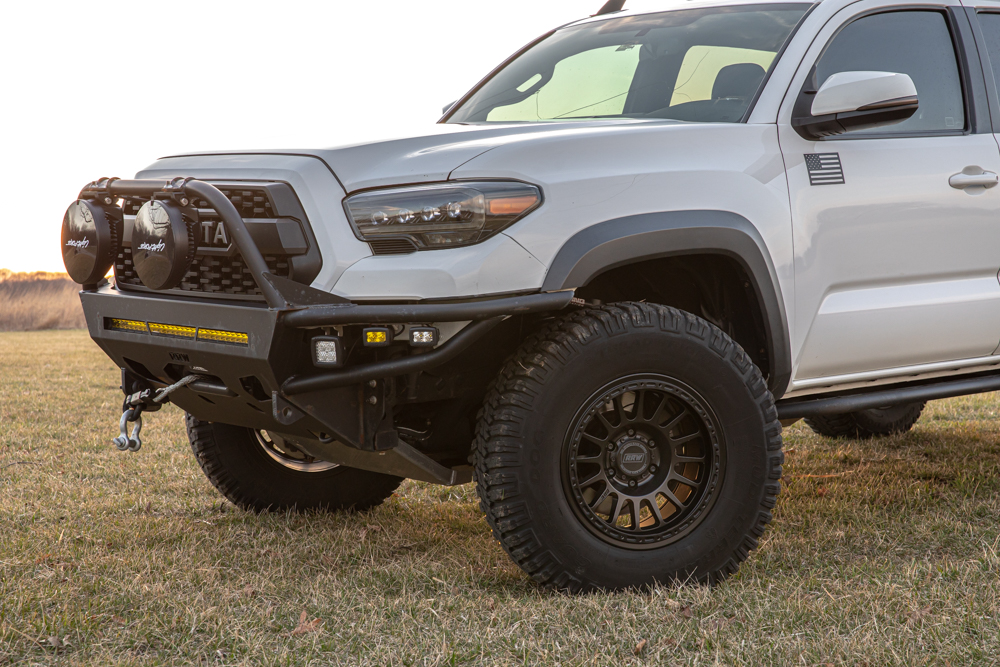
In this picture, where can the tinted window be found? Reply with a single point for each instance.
(701, 65)
(991, 31)
(915, 43)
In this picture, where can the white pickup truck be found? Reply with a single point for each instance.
(598, 286)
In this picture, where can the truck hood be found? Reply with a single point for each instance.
(432, 155)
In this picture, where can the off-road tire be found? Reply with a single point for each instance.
(536, 399)
(242, 471)
(868, 423)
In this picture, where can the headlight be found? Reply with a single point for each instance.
(442, 215)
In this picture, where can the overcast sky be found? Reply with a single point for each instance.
(93, 89)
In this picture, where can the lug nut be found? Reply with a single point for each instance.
(611, 472)
(631, 432)
(652, 468)
(611, 447)
(632, 483)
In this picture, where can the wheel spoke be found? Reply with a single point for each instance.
(676, 442)
(654, 508)
(599, 475)
(607, 425)
(675, 421)
(659, 408)
(620, 408)
(685, 459)
(683, 480)
(591, 459)
(595, 439)
(634, 511)
(600, 499)
(616, 510)
(671, 497)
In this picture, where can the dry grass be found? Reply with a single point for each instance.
(35, 301)
(116, 559)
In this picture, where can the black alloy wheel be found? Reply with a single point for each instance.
(643, 461)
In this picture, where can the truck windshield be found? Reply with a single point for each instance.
(702, 65)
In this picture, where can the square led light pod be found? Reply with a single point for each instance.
(423, 336)
(376, 336)
(327, 352)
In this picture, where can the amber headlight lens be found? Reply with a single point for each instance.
(442, 216)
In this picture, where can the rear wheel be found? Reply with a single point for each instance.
(871, 423)
(628, 445)
(259, 470)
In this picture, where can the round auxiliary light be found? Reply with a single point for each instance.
(405, 216)
(163, 245)
(90, 237)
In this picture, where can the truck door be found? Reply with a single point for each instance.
(896, 260)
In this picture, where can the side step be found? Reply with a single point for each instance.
(945, 388)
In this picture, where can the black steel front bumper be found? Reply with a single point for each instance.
(342, 415)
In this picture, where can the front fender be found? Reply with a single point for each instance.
(636, 238)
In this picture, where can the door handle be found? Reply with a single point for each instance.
(974, 177)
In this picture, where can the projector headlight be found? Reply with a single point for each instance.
(442, 215)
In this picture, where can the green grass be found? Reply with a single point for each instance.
(109, 558)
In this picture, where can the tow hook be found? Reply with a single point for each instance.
(148, 400)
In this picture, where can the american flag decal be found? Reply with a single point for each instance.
(824, 169)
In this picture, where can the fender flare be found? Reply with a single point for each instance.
(636, 238)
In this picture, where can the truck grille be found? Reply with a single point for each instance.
(208, 274)
(250, 202)
(221, 273)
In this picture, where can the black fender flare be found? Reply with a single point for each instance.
(636, 238)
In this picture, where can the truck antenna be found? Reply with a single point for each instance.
(610, 7)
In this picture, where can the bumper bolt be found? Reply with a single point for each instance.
(373, 400)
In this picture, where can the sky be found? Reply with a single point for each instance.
(92, 89)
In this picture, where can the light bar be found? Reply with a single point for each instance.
(177, 331)
(172, 330)
(231, 337)
(125, 325)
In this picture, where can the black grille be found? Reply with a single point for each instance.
(214, 273)
(250, 202)
(393, 246)
(208, 274)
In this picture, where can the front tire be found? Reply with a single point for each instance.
(254, 471)
(626, 446)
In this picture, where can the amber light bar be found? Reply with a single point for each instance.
(177, 331)
(217, 336)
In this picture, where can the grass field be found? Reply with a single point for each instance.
(881, 553)
(39, 300)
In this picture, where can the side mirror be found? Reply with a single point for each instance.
(849, 101)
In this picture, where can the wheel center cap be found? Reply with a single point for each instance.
(634, 458)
